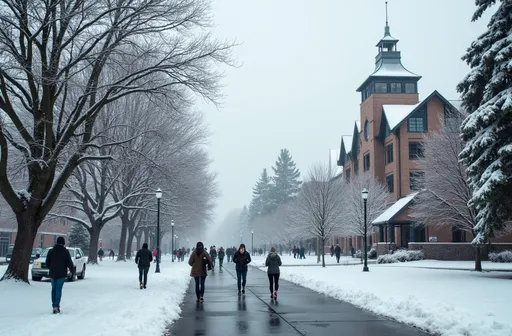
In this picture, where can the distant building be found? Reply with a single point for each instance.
(387, 142)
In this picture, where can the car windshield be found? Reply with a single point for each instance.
(45, 252)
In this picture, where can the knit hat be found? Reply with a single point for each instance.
(61, 241)
(241, 246)
(145, 245)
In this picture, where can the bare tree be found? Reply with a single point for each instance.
(446, 193)
(378, 201)
(53, 85)
(319, 205)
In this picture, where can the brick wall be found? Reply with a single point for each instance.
(455, 251)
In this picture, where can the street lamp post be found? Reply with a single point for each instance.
(172, 247)
(241, 239)
(252, 241)
(158, 197)
(364, 195)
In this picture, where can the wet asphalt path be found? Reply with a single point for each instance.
(298, 311)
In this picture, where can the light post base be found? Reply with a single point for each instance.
(365, 269)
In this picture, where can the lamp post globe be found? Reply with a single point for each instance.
(158, 195)
(364, 196)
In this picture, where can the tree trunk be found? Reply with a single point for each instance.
(478, 259)
(27, 231)
(139, 240)
(317, 250)
(323, 254)
(122, 240)
(93, 244)
(129, 245)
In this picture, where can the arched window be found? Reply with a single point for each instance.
(366, 130)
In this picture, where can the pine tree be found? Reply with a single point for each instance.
(79, 237)
(487, 96)
(261, 203)
(244, 219)
(286, 179)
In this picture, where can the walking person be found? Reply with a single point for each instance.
(273, 262)
(200, 261)
(101, 253)
(221, 256)
(213, 255)
(143, 259)
(58, 262)
(337, 252)
(241, 258)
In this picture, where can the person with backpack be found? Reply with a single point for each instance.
(143, 259)
(221, 255)
(241, 258)
(58, 262)
(273, 262)
(213, 255)
(337, 252)
(200, 262)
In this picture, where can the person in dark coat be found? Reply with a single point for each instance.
(229, 253)
(200, 261)
(332, 250)
(337, 252)
(242, 258)
(58, 262)
(273, 262)
(143, 259)
(221, 255)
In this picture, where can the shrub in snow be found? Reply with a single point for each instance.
(358, 254)
(372, 254)
(505, 256)
(400, 256)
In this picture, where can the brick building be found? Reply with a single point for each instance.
(387, 142)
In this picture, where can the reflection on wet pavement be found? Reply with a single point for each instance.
(299, 311)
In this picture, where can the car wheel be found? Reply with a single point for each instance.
(73, 276)
(36, 278)
(82, 275)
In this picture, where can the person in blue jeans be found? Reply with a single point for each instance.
(242, 258)
(58, 262)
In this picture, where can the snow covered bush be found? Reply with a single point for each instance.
(372, 254)
(505, 256)
(400, 256)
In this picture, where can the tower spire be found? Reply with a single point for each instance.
(386, 29)
(386, 13)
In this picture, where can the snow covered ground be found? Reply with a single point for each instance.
(107, 302)
(288, 260)
(456, 265)
(447, 302)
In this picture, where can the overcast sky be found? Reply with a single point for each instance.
(301, 62)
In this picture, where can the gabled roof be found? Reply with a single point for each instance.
(394, 210)
(333, 162)
(346, 146)
(397, 114)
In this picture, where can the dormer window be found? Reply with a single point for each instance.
(418, 121)
(396, 87)
(410, 88)
(381, 87)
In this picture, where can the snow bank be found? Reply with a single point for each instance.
(310, 260)
(107, 302)
(450, 303)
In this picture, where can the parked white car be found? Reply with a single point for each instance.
(40, 270)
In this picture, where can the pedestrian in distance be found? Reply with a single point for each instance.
(241, 258)
(58, 262)
(273, 262)
(332, 250)
(200, 262)
(213, 255)
(221, 256)
(101, 253)
(337, 252)
(143, 259)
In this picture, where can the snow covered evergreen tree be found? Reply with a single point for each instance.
(79, 237)
(261, 203)
(487, 96)
(243, 220)
(286, 179)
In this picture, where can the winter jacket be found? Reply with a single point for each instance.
(241, 260)
(143, 258)
(337, 250)
(59, 261)
(222, 254)
(273, 262)
(213, 253)
(199, 260)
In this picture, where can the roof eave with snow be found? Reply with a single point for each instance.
(394, 209)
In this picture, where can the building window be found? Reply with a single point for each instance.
(418, 121)
(381, 87)
(41, 242)
(451, 120)
(389, 153)
(415, 150)
(366, 162)
(366, 130)
(410, 88)
(458, 235)
(396, 87)
(347, 175)
(416, 180)
(4, 243)
(390, 182)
